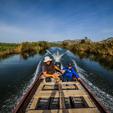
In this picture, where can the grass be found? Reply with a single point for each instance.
(25, 48)
(82, 48)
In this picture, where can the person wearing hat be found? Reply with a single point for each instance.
(70, 73)
(49, 69)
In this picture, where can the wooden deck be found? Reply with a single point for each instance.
(63, 97)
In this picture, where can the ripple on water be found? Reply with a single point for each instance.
(103, 97)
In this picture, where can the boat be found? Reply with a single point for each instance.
(59, 97)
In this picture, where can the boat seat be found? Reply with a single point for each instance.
(54, 103)
(64, 87)
(48, 99)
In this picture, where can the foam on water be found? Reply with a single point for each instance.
(57, 56)
(15, 99)
(103, 97)
(32, 80)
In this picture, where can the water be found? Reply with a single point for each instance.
(97, 74)
(16, 74)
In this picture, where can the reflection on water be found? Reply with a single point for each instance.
(15, 75)
(97, 74)
(26, 56)
(105, 60)
(16, 72)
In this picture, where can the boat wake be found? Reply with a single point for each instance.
(14, 100)
(102, 97)
(57, 56)
(31, 81)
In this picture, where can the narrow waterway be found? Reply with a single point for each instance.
(16, 74)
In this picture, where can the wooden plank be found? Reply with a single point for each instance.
(54, 93)
(83, 110)
(89, 101)
(66, 93)
(33, 104)
(74, 93)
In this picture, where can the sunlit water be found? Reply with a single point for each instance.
(17, 74)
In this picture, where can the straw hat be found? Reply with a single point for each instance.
(47, 58)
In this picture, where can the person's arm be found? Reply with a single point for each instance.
(75, 74)
(47, 75)
(58, 69)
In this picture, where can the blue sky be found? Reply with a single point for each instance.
(55, 20)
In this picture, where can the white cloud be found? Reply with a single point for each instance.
(10, 33)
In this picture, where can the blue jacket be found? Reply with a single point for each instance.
(70, 72)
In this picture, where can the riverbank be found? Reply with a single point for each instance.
(102, 51)
(25, 48)
(86, 46)
(7, 49)
(98, 51)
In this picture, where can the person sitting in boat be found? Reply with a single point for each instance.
(49, 69)
(70, 73)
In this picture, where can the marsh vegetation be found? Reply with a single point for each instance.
(25, 49)
(99, 51)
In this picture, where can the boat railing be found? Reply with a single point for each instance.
(93, 96)
(20, 107)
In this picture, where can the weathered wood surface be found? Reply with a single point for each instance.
(61, 94)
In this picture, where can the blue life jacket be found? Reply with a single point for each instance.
(70, 72)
